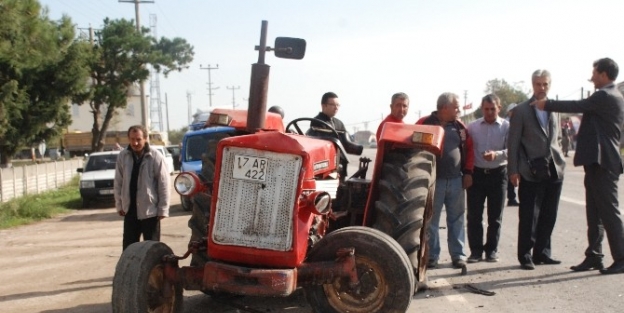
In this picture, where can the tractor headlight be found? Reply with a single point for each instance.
(187, 184)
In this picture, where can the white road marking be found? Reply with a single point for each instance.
(566, 199)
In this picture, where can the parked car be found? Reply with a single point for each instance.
(168, 157)
(98, 176)
(175, 154)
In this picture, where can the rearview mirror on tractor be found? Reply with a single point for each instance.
(289, 48)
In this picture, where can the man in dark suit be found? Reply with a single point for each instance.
(329, 108)
(598, 150)
(534, 134)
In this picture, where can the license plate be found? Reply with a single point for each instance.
(106, 192)
(249, 168)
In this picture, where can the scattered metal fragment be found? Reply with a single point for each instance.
(480, 291)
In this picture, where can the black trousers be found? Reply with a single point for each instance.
(134, 228)
(539, 202)
(487, 185)
(603, 213)
(511, 192)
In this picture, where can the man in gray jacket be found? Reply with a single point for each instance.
(598, 151)
(141, 188)
(534, 135)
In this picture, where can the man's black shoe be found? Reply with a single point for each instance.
(475, 258)
(615, 268)
(590, 263)
(545, 260)
(432, 263)
(528, 265)
(459, 263)
(512, 203)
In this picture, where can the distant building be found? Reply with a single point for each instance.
(82, 117)
(364, 137)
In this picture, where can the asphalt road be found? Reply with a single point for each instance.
(66, 264)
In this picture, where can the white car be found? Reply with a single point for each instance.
(168, 157)
(98, 176)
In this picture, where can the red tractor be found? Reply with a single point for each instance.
(272, 214)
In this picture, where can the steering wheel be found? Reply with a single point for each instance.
(293, 123)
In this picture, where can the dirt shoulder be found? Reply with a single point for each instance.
(66, 264)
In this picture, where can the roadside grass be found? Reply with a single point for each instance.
(32, 208)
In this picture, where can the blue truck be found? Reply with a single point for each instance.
(194, 145)
(201, 142)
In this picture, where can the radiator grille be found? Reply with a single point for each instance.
(107, 183)
(257, 214)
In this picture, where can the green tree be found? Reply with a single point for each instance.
(121, 56)
(175, 136)
(41, 67)
(506, 92)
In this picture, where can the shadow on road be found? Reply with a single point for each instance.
(487, 283)
(91, 308)
(110, 215)
(38, 294)
(231, 303)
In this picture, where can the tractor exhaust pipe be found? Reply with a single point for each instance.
(259, 86)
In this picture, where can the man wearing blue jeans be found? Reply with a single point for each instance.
(453, 175)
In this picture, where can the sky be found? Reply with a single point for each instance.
(367, 50)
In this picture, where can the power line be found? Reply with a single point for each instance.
(210, 88)
(233, 96)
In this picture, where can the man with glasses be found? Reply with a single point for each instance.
(489, 180)
(329, 107)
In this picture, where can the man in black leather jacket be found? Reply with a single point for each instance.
(329, 107)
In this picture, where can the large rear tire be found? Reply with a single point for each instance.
(405, 202)
(385, 274)
(139, 279)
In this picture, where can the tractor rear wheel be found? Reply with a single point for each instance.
(139, 280)
(405, 202)
(385, 274)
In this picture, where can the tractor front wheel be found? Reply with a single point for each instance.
(138, 284)
(385, 273)
(186, 203)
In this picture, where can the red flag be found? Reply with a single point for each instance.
(468, 106)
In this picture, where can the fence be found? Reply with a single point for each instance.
(33, 179)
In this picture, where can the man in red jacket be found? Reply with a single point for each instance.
(453, 176)
(398, 110)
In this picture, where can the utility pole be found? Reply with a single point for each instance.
(167, 111)
(190, 109)
(144, 115)
(210, 88)
(233, 97)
